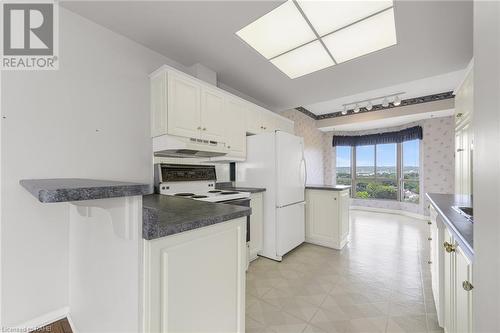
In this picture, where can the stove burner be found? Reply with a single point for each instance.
(214, 191)
(183, 194)
(229, 192)
(198, 196)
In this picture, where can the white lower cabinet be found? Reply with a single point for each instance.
(195, 281)
(327, 217)
(457, 287)
(436, 262)
(256, 225)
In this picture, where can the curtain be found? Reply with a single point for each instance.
(407, 134)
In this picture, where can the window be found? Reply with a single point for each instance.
(411, 171)
(343, 165)
(382, 171)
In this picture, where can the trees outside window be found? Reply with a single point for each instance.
(383, 171)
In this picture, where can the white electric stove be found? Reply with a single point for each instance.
(200, 190)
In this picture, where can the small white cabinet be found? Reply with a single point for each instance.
(194, 281)
(327, 217)
(436, 261)
(256, 225)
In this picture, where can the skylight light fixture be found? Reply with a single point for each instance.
(323, 33)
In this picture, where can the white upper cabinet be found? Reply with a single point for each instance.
(213, 115)
(184, 106)
(253, 119)
(235, 120)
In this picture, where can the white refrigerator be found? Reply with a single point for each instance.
(276, 162)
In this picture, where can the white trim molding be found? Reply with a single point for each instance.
(391, 211)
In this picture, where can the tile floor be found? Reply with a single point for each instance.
(380, 282)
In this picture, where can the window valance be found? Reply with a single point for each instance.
(407, 134)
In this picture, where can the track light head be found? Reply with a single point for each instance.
(385, 102)
(356, 109)
(397, 101)
(369, 106)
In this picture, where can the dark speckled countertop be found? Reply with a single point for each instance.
(460, 227)
(327, 187)
(228, 186)
(76, 189)
(164, 215)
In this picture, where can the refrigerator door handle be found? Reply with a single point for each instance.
(303, 168)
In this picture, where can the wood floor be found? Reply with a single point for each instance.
(60, 326)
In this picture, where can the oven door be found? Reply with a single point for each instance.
(245, 202)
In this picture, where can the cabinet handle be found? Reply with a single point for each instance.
(449, 247)
(460, 114)
(429, 238)
(429, 222)
(429, 262)
(228, 147)
(467, 286)
(204, 128)
(459, 150)
(199, 127)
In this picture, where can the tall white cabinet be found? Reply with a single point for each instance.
(327, 217)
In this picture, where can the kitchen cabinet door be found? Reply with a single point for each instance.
(463, 292)
(449, 284)
(344, 215)
(256, 225)
(158, 96)
(327, 218)
(285, 125)
(214, 122)
(253, 119)
(195, 280)
(235, 127)
(184, 106)
(268, 121)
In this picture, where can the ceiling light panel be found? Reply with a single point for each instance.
(372, 34)
(278, 31)
(328, 16)
(303, 60)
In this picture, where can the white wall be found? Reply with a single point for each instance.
(88, 119)
(486, 124)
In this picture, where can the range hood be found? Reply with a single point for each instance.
(176, 146)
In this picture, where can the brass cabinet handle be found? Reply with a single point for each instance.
(228, 147)
(467, 286)
(429, 222)
(460, 114)
(449, 247)
(429, 262)
(429, 238)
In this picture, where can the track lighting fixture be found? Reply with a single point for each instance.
(396, 101)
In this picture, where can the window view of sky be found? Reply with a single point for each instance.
(386, 155)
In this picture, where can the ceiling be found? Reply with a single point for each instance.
(388, 122)
(418, 88)
(434, 38)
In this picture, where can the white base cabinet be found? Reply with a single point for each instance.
(436, 261)
(195, 281)
(256, 225)
(327, 218)
(457, 288)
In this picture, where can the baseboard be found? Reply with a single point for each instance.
(44, 320)
(391, 211)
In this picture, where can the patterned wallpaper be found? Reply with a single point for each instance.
(314, 143)
(436, 157)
